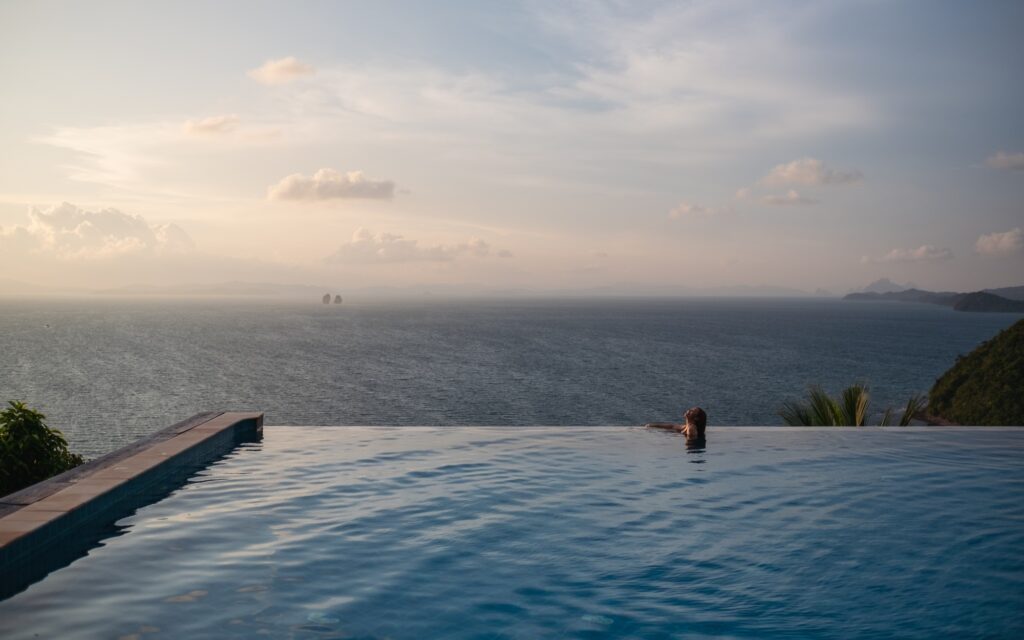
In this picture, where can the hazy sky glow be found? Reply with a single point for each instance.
(646, 147)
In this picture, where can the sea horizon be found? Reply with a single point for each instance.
(114, 370)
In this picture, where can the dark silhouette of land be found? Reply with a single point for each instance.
(985, 387)
(1005, 300)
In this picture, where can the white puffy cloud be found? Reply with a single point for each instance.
(281, 71)
(808, 171)
(1006, 160)
(791, 197)
(996, 244)
(924, 253)
(68, 232)
(365, 247)
(210, 126)
(328, 184)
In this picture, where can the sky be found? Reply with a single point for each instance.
(633, 147)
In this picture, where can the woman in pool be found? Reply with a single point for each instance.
(693, 429)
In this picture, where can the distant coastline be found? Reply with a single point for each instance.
(1004, 300)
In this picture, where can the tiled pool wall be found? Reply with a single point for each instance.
(49, 524)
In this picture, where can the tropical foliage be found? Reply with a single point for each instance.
(30, 451)
(985, 387)
(850, 409)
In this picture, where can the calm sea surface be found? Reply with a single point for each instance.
(109, 371)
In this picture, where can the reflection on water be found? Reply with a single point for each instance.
(695, 449)
(579, 532)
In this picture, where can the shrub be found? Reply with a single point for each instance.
(30, 451)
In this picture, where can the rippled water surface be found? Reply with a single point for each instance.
(107, 372)
(584, 532)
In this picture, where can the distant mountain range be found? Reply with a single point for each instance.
(1006, 299)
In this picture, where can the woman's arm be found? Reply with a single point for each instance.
(662, 425)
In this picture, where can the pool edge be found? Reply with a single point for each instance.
(49, 524)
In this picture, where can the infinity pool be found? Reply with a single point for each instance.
(344, 532)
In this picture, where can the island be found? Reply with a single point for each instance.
(1004, 300)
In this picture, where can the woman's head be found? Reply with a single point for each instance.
(696, 418)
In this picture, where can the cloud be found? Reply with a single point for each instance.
(998, 244)
(742, 193)
(281, 71)
(368, 248)
(924, 253)
(210, 126)
(137, 156)
(808, 172)
(686, 210)
(328, 184)
(505, 253)
(791, 197)
(703, 66)
(478, 248)
(690, 210)
(111, 154)
(1005, 160)
(70, 233)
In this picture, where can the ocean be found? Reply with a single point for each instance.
(108, 371)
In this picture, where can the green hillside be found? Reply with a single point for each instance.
(985, 387)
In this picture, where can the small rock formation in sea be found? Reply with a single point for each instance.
(327, 298)
(337, 299)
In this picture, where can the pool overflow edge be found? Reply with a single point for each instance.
(49, 524)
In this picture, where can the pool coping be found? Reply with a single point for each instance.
(47, 522)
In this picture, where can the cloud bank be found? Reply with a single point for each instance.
(328, 184)
(70, 233)
(281, 71)
(924, 253)
(1000, 244)
(809, 172)
(368, 248)
(1007, 161)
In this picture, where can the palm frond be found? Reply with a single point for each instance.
(824, 410)
(795, 414)
(914, 406)
(853, 405)
(820, 409)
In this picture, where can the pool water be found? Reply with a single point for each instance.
(588, 532)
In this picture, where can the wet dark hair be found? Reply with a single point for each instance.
(698, 418)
